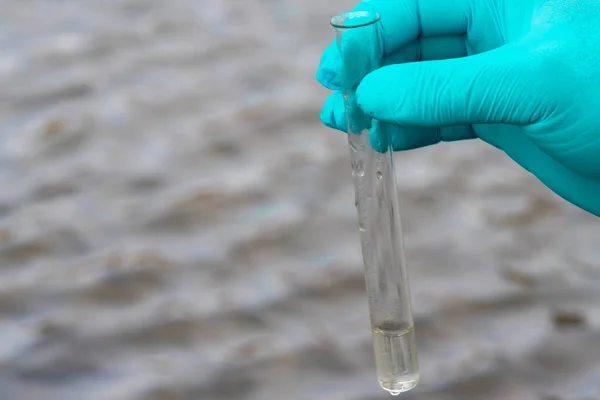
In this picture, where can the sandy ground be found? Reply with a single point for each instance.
(176, 224)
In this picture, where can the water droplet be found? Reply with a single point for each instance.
(394, 392)
(360, 168)
(379, 175)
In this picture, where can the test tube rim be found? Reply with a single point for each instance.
(338, 21)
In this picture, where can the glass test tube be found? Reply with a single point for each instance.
(358, 40)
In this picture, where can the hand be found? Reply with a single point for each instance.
(522, 75)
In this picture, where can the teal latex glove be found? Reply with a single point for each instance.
(522, 75)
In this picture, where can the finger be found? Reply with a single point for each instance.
(329, 67)
(410, 137)
(358, 39)
(429, 49)
(422, 49)
(333, 115)
(402, 21)
(485, 88)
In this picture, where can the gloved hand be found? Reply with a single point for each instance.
(522, 75)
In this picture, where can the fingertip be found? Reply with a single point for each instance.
(333, 113)
(329, 67)
(371, 93)
(327, 79)
(326, 115)
(379, 136)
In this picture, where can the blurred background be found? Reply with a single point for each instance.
(176, 223)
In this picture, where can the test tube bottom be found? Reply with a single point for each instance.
(395, 357)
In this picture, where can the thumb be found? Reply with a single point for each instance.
(490, 87)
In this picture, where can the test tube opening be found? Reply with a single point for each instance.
(354, 19)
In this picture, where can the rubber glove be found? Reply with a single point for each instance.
(522, 75)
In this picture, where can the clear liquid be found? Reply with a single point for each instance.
(396, 357)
